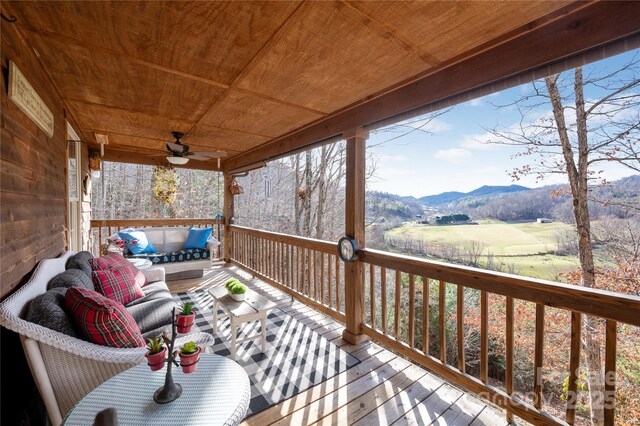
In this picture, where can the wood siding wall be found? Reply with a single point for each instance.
(33, 199)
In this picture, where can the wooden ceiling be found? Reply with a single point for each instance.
(239, 76)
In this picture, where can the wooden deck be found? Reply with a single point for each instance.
(382, 389)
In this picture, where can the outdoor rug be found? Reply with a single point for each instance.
(296, 358)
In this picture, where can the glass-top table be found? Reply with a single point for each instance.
(217, 393)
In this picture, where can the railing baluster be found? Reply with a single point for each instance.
(412, 310)
(292, 262)
(539, 353)
(484, 336)
(383, 301)
(322, 278)
(396, 326)
(308, 262)
(460, 326)
(610, 373)
(442, 324)
(329, 286)
(372, 294)
(425, 315)
(574, 365)
(338, 292)
(509, 353)
(315, 275)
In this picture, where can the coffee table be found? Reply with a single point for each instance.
(217, 393)
(253, 308)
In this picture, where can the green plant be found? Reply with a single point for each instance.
(189, 348)
(155, 345)
(238, 289)
(186, 308)
(230, 283)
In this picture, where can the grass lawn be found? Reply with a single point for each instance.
(514, 239)
(545, 266)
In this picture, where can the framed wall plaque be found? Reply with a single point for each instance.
(22, 93)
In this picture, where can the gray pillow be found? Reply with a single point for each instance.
(48, 311)
(81, 261)
(71, 278)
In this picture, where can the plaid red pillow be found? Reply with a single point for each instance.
(117, 283)
(114, 260)
(102, 321)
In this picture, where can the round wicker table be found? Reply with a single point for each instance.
(217, 393)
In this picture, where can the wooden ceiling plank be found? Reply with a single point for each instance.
(124, 56)
(593, 25)
(388, 31)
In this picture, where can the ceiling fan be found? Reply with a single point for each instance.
(179, 153)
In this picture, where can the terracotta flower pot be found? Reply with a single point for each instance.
(185, 322)
(189, 362)
(156, 361)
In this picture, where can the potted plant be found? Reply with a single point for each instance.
(189, 356)
(156, 354)
(186, 316)
(237, 290)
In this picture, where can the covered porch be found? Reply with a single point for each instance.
(252, 82)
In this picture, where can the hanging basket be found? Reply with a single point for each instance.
(236, 189)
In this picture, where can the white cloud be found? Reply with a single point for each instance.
(454, 155)
(479, 142)
(475, 102)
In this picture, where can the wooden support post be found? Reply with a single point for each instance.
(228, 214)
(354, 227)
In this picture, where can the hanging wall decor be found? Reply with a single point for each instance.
(236, 189)
(165, 184)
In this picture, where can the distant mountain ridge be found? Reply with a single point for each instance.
(483, 191)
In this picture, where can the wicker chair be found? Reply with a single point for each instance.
(65, 368)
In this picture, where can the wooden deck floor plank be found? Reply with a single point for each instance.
(462, 413)
(334, 400)
(490, 417)
(402, 402)
(359, 407)
(428, 410)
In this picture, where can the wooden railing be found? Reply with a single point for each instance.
(396, 288)
(410, 276)
(303, 267)
(102, 229)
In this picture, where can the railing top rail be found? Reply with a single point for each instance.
(152, 222)
(310, 243)
(619, 307)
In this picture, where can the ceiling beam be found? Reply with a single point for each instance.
(544, 41)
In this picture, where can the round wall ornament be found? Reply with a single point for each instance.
(347, 249)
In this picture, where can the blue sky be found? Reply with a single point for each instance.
(450, 158)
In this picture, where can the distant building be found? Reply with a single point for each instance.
(544, 220)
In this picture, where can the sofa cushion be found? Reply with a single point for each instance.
(48, 311)
(116, 260)
(81, 261)
(71, 278)
(137, 242)
(118, 283)
(197, 238)
(101, 320)
(175, 256)
(153, 291)
(152, 314)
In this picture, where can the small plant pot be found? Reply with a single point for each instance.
(185, 322)
(189, 362)
(237, 297)
(156, 361)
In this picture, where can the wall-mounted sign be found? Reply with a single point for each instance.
(22, 93)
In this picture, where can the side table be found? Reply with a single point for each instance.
(253, 308)
(218, 393)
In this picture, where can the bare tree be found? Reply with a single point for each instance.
(574, 139)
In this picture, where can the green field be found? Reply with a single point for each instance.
(529, 247)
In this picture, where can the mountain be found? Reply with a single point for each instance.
(483, 191)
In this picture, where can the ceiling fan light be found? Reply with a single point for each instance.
(177, 160)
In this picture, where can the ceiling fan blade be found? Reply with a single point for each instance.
(175, 147)
(212, 154)
(198, 157)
